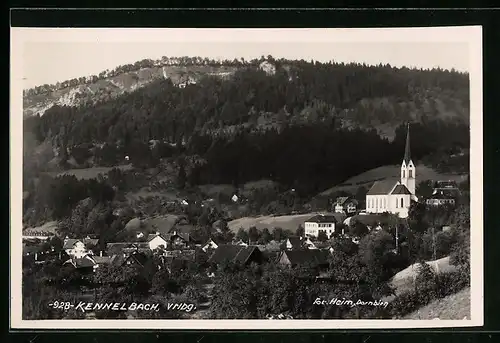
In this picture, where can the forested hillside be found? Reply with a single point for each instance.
(278, 120)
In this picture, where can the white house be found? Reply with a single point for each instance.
(157, 240)
(345, 205)
(318, 223)
(210, 245)
(75, 248)
(394, 196)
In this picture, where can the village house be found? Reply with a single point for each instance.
(345, 205)
(444, 193)
(314, 258)
(320, 222)
(298, 243)
(157, 241)
(84, 264)
(210, 245)
(227, 253)
(394, 196)
(78, 248)
(125, 248)
(240, 243)
(441, 198)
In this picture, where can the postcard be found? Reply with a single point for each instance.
(246, 178)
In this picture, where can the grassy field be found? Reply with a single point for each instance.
(290, 222)
(391, 172)
(89, 173)
(47, 227)
(452, 307)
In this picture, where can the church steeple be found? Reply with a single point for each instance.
(408, 169)
(407, 157)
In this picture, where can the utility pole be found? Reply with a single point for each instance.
(433, 245)
(397, 239)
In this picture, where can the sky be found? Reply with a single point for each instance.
(72, 53)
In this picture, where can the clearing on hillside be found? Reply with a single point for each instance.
(390, 172)
(289, 222)
(89, 173)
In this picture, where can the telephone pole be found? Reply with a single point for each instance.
(433, 245)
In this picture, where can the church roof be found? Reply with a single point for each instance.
(382, 187)
(407, 157)
(401, 189)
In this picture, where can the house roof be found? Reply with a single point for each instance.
(30, 249)
(341, 200)
(323, 219)
(70, 242)
(84, 262)
(382, 187)
(315, 256)
(139, 257)
(90, 241)
(295, 241)
(232, 253)
(161, 235)
(443, 195)
(401, 189)
(122, 247)
(104, 259)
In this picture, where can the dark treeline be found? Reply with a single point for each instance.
(306, 91)
(285, 127)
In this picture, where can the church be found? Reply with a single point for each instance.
(391, 195)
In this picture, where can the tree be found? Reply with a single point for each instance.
(242, 235)
(181, 176)
(265, 236)
(253, 234)
(461, 249)
(279, 234)
(424, 189)
(300, 231)
(322, 236)
(358, 229)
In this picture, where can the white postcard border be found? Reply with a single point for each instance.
(472, 35)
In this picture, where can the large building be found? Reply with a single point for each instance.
(394, 196)
(320, 222)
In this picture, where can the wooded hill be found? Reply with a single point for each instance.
(303, 118)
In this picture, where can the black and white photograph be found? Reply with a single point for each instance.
(246, 178)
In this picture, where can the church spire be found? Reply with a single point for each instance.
(407, 157)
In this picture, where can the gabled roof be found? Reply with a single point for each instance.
(232, 253)
(341, 200)
(401, 189)
(322, 219)
(314, 256)
(70, 242)
(161, 235)
(383, 187)
(124, 247)
(84, 262)
(139, 257)
(104, 259)
(296, 242)
(90, 241)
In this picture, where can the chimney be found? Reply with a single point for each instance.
(100, 253)
(36, 256)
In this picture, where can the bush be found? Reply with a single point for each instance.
(429, 287)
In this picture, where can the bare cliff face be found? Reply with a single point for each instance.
(108, 85)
